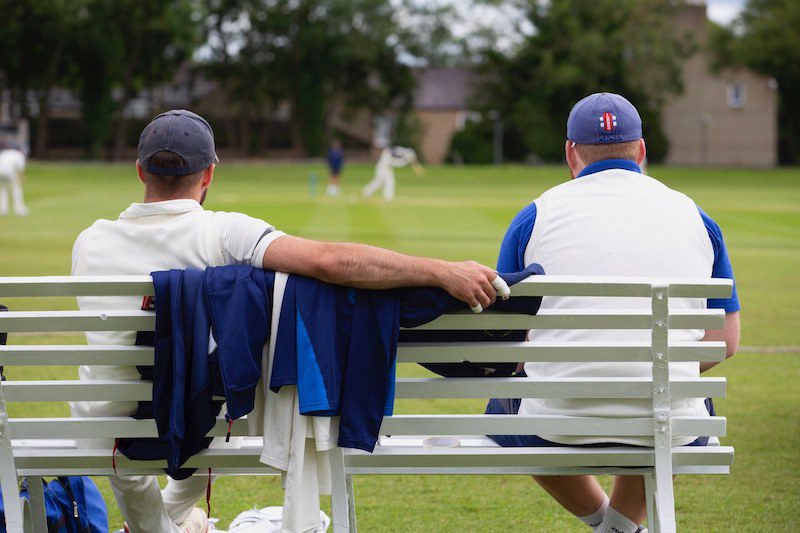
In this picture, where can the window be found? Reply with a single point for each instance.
(737, 95)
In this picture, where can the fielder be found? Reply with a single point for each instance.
(12, 174)
(390, 159)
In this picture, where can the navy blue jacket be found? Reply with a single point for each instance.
(337, 344)
(235, 301)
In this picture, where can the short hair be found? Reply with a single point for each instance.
(591, 153)
(169, 183)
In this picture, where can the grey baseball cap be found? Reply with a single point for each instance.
(602, 118)
(181, 132)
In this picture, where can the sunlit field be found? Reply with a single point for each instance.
(462, 213)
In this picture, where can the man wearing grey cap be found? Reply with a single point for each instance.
(611, 219)
(170, 229)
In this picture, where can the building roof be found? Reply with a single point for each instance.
(447, 88)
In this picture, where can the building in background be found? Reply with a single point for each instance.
(725, 118)
(441, 104)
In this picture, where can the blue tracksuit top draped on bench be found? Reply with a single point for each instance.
(337, 344)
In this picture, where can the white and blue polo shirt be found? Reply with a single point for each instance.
(612, 220)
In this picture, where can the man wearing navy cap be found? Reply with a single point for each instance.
(170, 229)
(611, 219)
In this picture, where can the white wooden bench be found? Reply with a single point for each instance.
(45, 447)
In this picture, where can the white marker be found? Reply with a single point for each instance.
(503, 291)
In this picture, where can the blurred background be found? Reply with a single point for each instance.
(481, 90)
(462, 81)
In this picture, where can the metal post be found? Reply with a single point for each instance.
(662, 429)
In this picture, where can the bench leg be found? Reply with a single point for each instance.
(351, 504)
(650, 498)
(339, 493)
(36, 503)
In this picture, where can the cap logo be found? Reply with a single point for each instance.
(608, 121)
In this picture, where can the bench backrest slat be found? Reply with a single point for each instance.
(76, 286)
(536, 286)
(60, 355)
(106, 390)
(102, 427)
(48, 321)
(554, 388)
(444, 352)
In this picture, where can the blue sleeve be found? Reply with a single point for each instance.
(722, 265)
(512, 251)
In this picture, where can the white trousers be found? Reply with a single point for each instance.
(144, 506)
(384, 177)
(13, 184)
(148, 509)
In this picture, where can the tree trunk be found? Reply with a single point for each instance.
(246, 108)
(244, 129)
(265, 133)
(40, 147)
(296, 129)
(121, 130)
(44, 101)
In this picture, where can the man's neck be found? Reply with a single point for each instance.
(152, 197)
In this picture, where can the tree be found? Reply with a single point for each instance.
(158, 36)
(315, 56)
(34, 36)
(579, 47)
(765, 38)
(127, 45)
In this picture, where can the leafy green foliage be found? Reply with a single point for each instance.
(319, 56)
(580, 47)
(94, 47)
(125, 44)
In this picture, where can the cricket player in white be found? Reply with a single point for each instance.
(170, 229)
(390, 159)
(12, 174)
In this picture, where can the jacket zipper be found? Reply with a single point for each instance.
(71, 496)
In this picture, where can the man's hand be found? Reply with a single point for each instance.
(471, 283)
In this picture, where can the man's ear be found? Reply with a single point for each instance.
(574, 161)
(140, 172)
(642, 152)
(208, 176)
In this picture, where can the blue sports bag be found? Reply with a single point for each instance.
(73, 505)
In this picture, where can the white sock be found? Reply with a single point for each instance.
(614, 522)
(593, 520)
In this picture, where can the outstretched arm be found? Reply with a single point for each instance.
(729, 333)
(369, 267)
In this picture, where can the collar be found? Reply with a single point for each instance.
(167, 207)
(608, 164)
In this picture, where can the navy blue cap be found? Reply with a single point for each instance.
(602, 118)
(181, 132)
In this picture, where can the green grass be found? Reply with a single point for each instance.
(462, 213)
